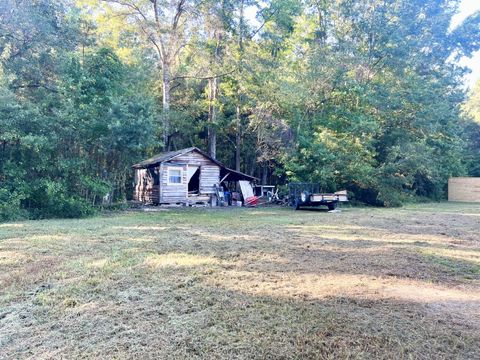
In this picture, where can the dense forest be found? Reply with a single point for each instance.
(358, 94)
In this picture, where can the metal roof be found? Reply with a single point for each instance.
(167, 156)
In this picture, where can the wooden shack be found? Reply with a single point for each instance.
(465, 189)
(186, 176)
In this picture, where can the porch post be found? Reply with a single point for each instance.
(160, 171)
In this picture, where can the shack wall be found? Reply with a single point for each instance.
(145, 188)
(465, 189)
(173, 193)
(209, 176)
(209, 171)
(152, 185)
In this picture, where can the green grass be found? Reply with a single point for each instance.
(244, 283)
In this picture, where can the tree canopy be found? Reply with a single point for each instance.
(362, 95)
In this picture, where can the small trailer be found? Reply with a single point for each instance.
(308, 195)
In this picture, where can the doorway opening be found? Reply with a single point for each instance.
(194, 180)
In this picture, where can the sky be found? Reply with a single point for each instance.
(468, 7)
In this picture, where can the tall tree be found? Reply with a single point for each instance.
(471, 130)
(362, 95)
(164, 25)
(216, 19)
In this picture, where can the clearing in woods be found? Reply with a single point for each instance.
(243, 283)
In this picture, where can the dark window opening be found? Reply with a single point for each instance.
(153, 175)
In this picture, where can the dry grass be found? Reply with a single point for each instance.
(244, 284)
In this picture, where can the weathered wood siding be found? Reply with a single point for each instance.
(193, 158)
(145, 189)
(209, 176)
(464, 189)
(152, 184)
(173, 193)
(209, 171)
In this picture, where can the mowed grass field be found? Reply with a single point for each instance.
(268, 283)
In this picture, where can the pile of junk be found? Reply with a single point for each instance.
(247, 195)
(300, 195)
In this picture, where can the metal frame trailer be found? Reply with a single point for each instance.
(308, 195)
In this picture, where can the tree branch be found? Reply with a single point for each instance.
(204, 77)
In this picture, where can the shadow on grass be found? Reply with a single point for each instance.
(180, 315)
(201, 287)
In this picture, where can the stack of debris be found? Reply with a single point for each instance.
(247, 192)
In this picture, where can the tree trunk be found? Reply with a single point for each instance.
(212, 117)
(238, 139)
(238, 135)
(213, 84)
(166, 104)
(264, 173)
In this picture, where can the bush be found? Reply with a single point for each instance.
(10, 205)
(75, 207)
(52, 199)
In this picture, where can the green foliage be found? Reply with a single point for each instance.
(10, 205)
(471, 130)
(361, 95)
(67, 139)
(384, 123)
(52, 199)
(472, 106)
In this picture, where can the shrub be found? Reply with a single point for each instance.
(10, 205)
(52, 199)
